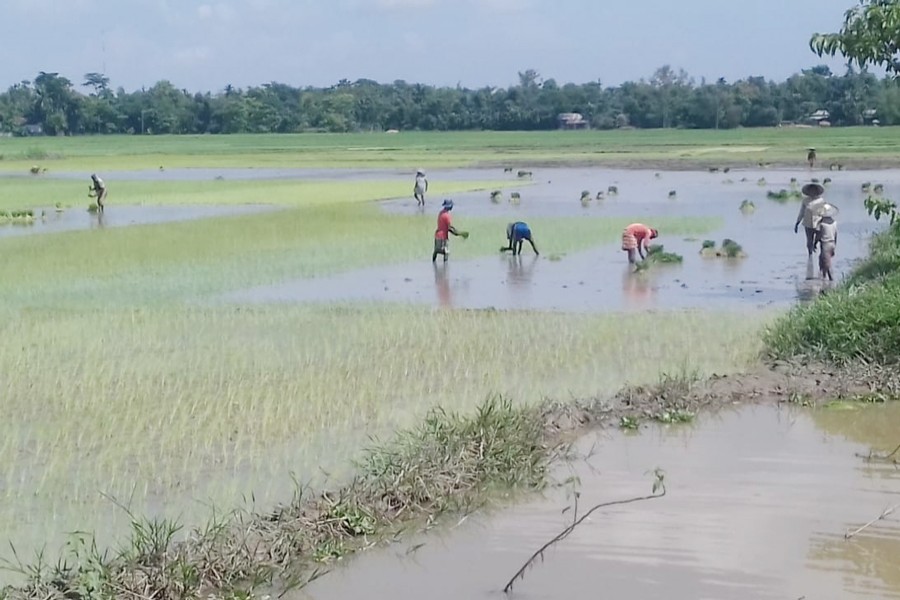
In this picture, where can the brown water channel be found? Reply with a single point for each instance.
(776, 271)
(758, 502)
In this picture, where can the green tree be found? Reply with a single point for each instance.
(870, 35)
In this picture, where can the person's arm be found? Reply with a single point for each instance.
(533, 247)
(641, 247)
(452, 230)
(800, 216)
(426, 185)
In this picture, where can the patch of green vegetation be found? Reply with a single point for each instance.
(707, 244)
(784, 195)
(657, 254)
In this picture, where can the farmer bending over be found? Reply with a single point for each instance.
(98, 189)
(636, 240)
(516, 233)
(443, 231)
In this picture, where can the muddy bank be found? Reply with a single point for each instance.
(758, 501)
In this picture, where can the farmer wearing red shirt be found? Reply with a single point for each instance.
(444, 229)
(636, 238)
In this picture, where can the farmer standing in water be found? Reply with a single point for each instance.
(636, 240)
(98, 190)
(811, 157)
(811, 213)
(420, 188)
(516, 234)
(444, 229)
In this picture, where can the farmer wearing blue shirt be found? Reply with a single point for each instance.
(516, 233)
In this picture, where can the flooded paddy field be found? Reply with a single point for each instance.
(776, 270)
(758, 502)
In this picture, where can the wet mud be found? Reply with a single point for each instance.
(759, 499)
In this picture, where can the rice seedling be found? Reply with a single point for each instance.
(523, 174)
(599, 195)
(866, 187)
(612, 191)
(747, 206)
(496, 197)
(878, 189)
(761, 181)
(708, 244)
(784, 195)
(673, 194)
(726, 170)
(515, 198)
(586, 194)
(731, 249)
(656, 254)
(713, 169)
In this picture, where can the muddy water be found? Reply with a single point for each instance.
(758, 503)
(776, 272)
(121, 216)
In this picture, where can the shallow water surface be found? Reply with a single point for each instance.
(76, 219)
(776, 271)
(758, 502)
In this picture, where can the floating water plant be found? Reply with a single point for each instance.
(515, 198)
(600, 195)
(612, 190)
(761, 181)
(496, 196)
(866, 187)
(878, 188)
(747, 206)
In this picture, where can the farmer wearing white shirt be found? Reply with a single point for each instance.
(420, 188)
(826, 237)
(811, 213)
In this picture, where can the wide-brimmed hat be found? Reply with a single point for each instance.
(447, 204)
(813, 190)
(420, 172)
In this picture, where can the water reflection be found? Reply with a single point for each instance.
(442, 285)
(637, 287)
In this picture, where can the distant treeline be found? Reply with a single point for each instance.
(52, 105)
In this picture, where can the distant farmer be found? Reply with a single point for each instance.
(420, 188)
(826, 237)
(516, 234)
(811, 157)
(443, 231)
(98, 190)
(636, 240)
(810, 213)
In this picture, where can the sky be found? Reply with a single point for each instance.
(204, 45)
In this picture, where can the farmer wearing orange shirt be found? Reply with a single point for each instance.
(443, 231)
(636, 239)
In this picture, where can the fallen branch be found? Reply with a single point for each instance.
(872, 456)
(659, 490)
(887, 512)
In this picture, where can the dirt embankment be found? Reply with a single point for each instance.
(802, 384)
